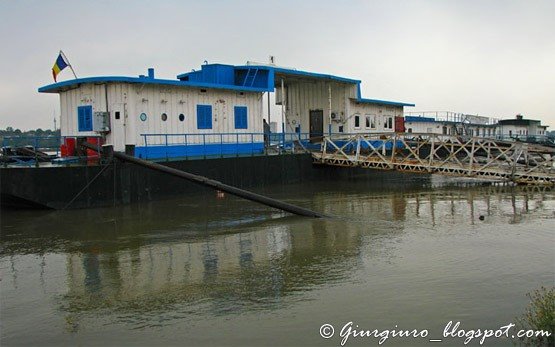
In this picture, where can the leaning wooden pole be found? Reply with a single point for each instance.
(201, 180)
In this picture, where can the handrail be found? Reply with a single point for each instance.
(213, 144)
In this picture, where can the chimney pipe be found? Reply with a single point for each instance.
(150, 73)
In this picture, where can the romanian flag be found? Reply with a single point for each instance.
(59, 65)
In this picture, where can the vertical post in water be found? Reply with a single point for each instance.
(221, 145)
(269, 114)
(282, 114)
(329, 105)
(166, 147)
(186, 147)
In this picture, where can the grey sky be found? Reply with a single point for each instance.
(494, 58)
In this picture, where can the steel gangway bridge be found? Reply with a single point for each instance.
(476, 157)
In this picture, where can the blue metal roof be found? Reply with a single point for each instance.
(419, 119)
(247, 78)
(56, 87)
(302, 73)
(382, 102)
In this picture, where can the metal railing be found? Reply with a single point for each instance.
(541, 139)
(442, 154)
(40, 143)
(220, 144)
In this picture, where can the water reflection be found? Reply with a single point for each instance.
(174, 258)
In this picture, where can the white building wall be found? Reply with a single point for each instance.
(302, 97)
(513, 130)
(173, 101)
(87, 94)
(424, 127)
(154, 100)
(380, 113)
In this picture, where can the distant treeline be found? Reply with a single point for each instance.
(9, 131)
(41, 138)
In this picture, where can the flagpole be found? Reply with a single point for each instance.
(68, 63)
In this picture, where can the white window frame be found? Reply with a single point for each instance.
(356, 115)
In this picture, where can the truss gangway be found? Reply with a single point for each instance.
(485, 158)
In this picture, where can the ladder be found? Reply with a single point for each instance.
(250, 77)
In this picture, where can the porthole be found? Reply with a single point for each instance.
(142, 117)
(164, 117)
(181, 117)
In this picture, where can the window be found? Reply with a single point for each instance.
(341, 128)
(241, 117)
(373, 121)
(204, 116)
(390, 122)
(164, 117)
(117, 116)
(357, 121)
(142, 117)
(367, 122)
(84, 118)
(181, 117)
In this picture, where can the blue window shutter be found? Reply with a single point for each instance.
(80, 121)
(204, 117)
(199, 117)
(88, 118)
(84, 118)
(241, 117)
(208, 117)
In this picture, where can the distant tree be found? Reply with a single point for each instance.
(9, 129)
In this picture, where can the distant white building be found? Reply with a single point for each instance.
(522, 129)
(450, 123)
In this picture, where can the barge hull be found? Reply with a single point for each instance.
(55, 187)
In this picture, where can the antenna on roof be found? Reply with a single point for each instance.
(272, 60)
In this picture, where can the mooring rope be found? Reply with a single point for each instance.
(88, 184)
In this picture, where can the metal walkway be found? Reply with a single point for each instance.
(519, 162)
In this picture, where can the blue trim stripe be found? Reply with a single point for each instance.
(201, 150)
(375, 143)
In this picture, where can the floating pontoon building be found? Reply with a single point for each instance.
(215, 110)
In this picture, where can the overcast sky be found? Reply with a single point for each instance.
(492, 58)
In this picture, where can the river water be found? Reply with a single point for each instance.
(209, 270)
